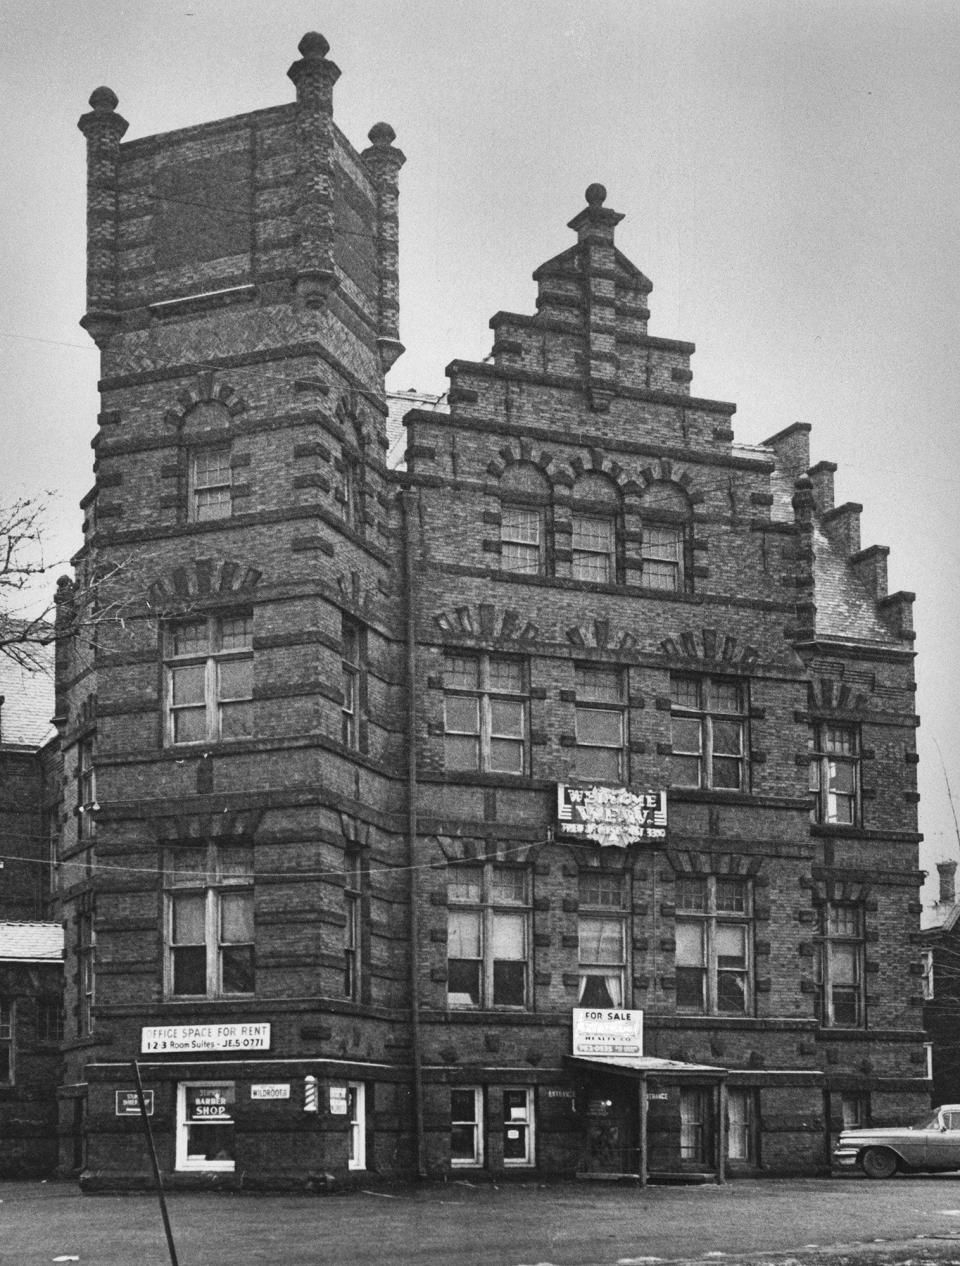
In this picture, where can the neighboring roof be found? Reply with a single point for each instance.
(399, 404)
(28, 702)
(844, 607)
(31, 942)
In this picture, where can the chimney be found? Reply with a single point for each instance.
(948, 892)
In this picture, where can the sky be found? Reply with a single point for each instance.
(789, 171)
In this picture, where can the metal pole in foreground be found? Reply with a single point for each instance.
(156, 1167)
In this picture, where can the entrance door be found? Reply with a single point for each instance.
(612, 1127)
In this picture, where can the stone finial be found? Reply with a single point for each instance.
(313, 47)
(381, 136)
(596, 220)
(104, 100)
(596, 195)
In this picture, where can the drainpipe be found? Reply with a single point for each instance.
(408, 505)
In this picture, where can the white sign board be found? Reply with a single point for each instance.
(607, 1031)
(338, 1101)
(272, 1091)
(184, 1039)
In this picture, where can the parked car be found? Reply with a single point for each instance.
(931, 1144)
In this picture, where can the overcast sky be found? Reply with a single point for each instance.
(790, 174)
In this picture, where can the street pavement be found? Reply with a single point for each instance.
(794, 1222)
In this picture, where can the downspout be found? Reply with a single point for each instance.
(408, 505)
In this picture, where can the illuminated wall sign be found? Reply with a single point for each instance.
(611, 815)
(607, 1031)
(183, 1039)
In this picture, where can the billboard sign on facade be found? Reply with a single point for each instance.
(181, 1039)
(610, 816)
(599, 1031)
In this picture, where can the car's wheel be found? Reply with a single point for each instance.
(878, 1162)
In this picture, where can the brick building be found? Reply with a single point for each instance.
(387, 772)
(939, 957)
(31, 943)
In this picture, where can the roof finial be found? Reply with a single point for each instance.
(313, 47)
(596, 195)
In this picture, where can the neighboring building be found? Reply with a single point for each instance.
(940, 982)
(383, 774)
(31, 944)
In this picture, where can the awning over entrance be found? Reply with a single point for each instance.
(648, 1065)
(649, 1070)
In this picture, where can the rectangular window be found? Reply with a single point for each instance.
(357, 1112)
(708, 724)
(7, 1032)
(840, 957)
(86, 972)
(742, 1119)
(488, 936)
(926, 964)
(601, 724)
(352, 899)
(661, 554)
(714, 939)
(485, 713)
(209, 921)
(602, 935)
(835, 774)
(466, 1126)
(855, 1111)
(205, 1125)
(518, 1125)
(209, 667)
(86, 788)
(594, 543)
(211, 484)
(50, 1019)
(352, 680)
(521, 534)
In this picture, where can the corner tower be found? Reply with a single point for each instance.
(225, 690)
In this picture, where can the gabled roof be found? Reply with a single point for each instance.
(28, 702)
(844, 607)
(31, 942)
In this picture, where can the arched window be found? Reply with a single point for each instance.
(351, 492)
(206, 437)
(524, 520)
(665, 543)
(596, 530)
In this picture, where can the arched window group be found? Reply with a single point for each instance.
(532, 545)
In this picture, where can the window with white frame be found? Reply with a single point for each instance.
(926, 979)
(357, 1116)
(209, 668)
(488, 936)
(600, 715)
(595, 526)
(664, 542)
(7, 1043)
(518, 1126)
(840, 966)
(209, 921)
(742, 1117)
(86, 788)
(466, 1126)
(352, 909)
(485, 713)
(205, 1126)
(525, 502)
(211, 484)
(352, 680)
(714, 940)
(86, 971)
(708, 732)
(602, 938)
(834, 774)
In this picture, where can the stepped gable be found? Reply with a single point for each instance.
(27, 695)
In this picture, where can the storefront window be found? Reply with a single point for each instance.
(357, 1109)
(205, 1126)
